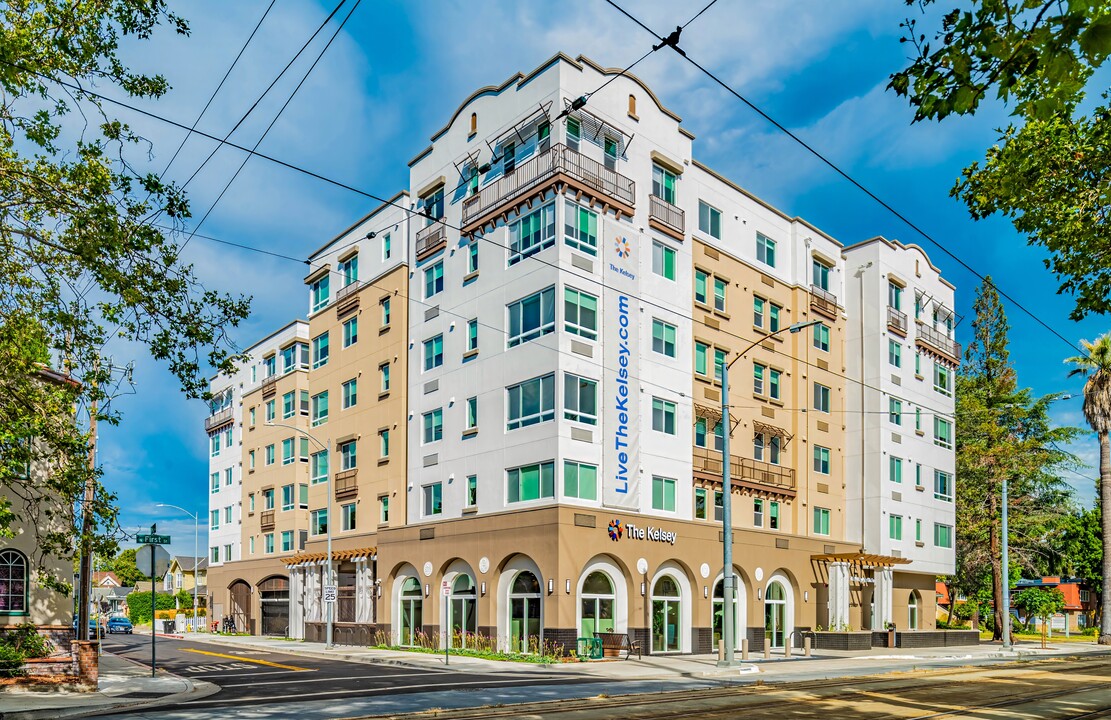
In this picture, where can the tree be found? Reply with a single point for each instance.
(1095, 365)
(1004, 435)
(1050, 171)
(85, 256)
(1080, 547)
(1042, 603)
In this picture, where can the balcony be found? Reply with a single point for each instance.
(823, 301)
(937, 340)
(896, 321)
(744, 472)
(220, 418)
(560, 165)
(431, 239)
(266, 520)
(666, 217)
(348, 290)
(346, 483)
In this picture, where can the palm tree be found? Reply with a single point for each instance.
(1095, 365)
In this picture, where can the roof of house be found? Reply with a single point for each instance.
(942, 591)
(1069, 587)
(186, 562)
(106, 578)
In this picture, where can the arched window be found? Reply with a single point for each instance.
(666, 615)
(474, 123)
(912, 610)
(13, 582)
(775, 613)
(597, 604)
(412, 621)
(524, 613)
(464, 611)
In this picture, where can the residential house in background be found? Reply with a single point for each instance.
(184, 572)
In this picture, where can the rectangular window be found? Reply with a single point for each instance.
(433, 352)
(432, 499)
(918, 419)
(663, 416)
(719, 294)
(895, 411)
(821, 460)
(700, 362)
(350, 393)
(270, 410)
(943, 380)
(663, 184)
(766, 447)
(663, 338)
(821, 337)
(251, 460)
(758, 373)
(384, 305)
(820, 274)
(663, 260)
(384, 509)
(472, 257)
(349, 269)
(530, 482)
(574, 133)
(387, 247)
(580, 399)
(433, 205)
(895, 527)
(227, 515)
(350, 332)
(943, 433)
(268, 543)
(895, 469)
(719, 363)
(287, 497)
(894, 295)
(530, 402)
(702, 434)
(228, 476)
(320, 294)
(289, 359)
(318, 522)
(287, 540)
(532, 233)
(580, 228)
(580, 313)
(320, 350)
(434, 279)
(701, 287)
(472, 491)
(472, 335)
(214, 520)
(943, 486)
(270, 364)
(709, 220)
(773, 383)
(251, 415)
(531, 317)
(766, 315)
(318, 467)
(700, 504)
(757, 512)
(894, 353)
(215, 482)
(821, 521)
(383, 443)
(214, 445)
(289, 404)
(472, 413)
(384, 377)
(347, 455)
(269, 452)
(580, 480)
(268, 499)
(943, 535)
(609, 153)
(765, 250)
(320, 409)
(433, 425)
(663, 493)
(773, 515)
(918, 531)
(347, 516)
(287, 451)
(509, 158)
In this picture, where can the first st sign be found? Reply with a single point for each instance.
(152, 539)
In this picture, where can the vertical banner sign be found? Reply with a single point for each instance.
(621, 401)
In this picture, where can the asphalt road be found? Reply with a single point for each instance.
(249, 679)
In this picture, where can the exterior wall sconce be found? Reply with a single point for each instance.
(705, 591)
(642, 589)
(567, 585)
(483, 587)
(426, 589)
(551, 586)
(759, 593)
(806, 596)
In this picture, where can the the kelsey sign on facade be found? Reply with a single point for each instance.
(618, 529)
(621, 387)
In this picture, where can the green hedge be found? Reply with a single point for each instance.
(138, 605)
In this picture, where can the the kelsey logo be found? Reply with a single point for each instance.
(615, 530)
(623, 248)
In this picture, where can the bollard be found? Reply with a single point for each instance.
(806, 647)
(767, 648)
(721, 650)
(744, 649)
(787, 647)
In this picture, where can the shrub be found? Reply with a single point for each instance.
(27, 641)
(11, 661)
(138, 605)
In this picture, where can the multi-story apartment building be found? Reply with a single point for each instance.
(901, 360)
(224, 426)
(545, 446)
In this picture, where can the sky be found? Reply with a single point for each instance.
(398, 69)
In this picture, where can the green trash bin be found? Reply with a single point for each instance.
(590, 648)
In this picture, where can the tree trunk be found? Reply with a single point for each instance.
(997, 581)
(1105, 521)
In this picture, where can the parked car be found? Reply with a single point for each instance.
(96, 628)
(119, 624)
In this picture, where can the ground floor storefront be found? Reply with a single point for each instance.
(528, 580)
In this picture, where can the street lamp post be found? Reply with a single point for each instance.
(729, 613)
(196, 558)
(329, 610)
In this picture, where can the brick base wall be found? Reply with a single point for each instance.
(561, 637)
(87, 654)
(702, 641)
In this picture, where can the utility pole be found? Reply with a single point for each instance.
(85, 572)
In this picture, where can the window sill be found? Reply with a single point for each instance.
(470, 432)
(470, 276)
(383, 525)
(470, 354)
(920, 488)
(384, 329)
(722, 314)
(383, 461)
(703, 306)
(774, 401)
(920, 433)
(470, 510)
(918, 377)
(384, 395)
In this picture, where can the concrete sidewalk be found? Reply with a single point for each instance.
(123, 685)
(661, 667)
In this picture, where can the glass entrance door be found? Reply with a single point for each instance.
(412, 621)
(665, 615)
(775, 614)
(719, 606)
(464, 618)
(524, 615)
(597, 605)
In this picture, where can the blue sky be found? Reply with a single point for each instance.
(398, 70)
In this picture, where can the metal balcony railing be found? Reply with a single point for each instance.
(217, 419)
(269, 384)
(939, 341)
(559, 160)
(266, 520)
(823, 301)
(664, 212)
(896, 320)
(431, 238)
(348, 290)
(745, 470)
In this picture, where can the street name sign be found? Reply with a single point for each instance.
(152, 539)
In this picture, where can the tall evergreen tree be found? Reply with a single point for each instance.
(1003, 435)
